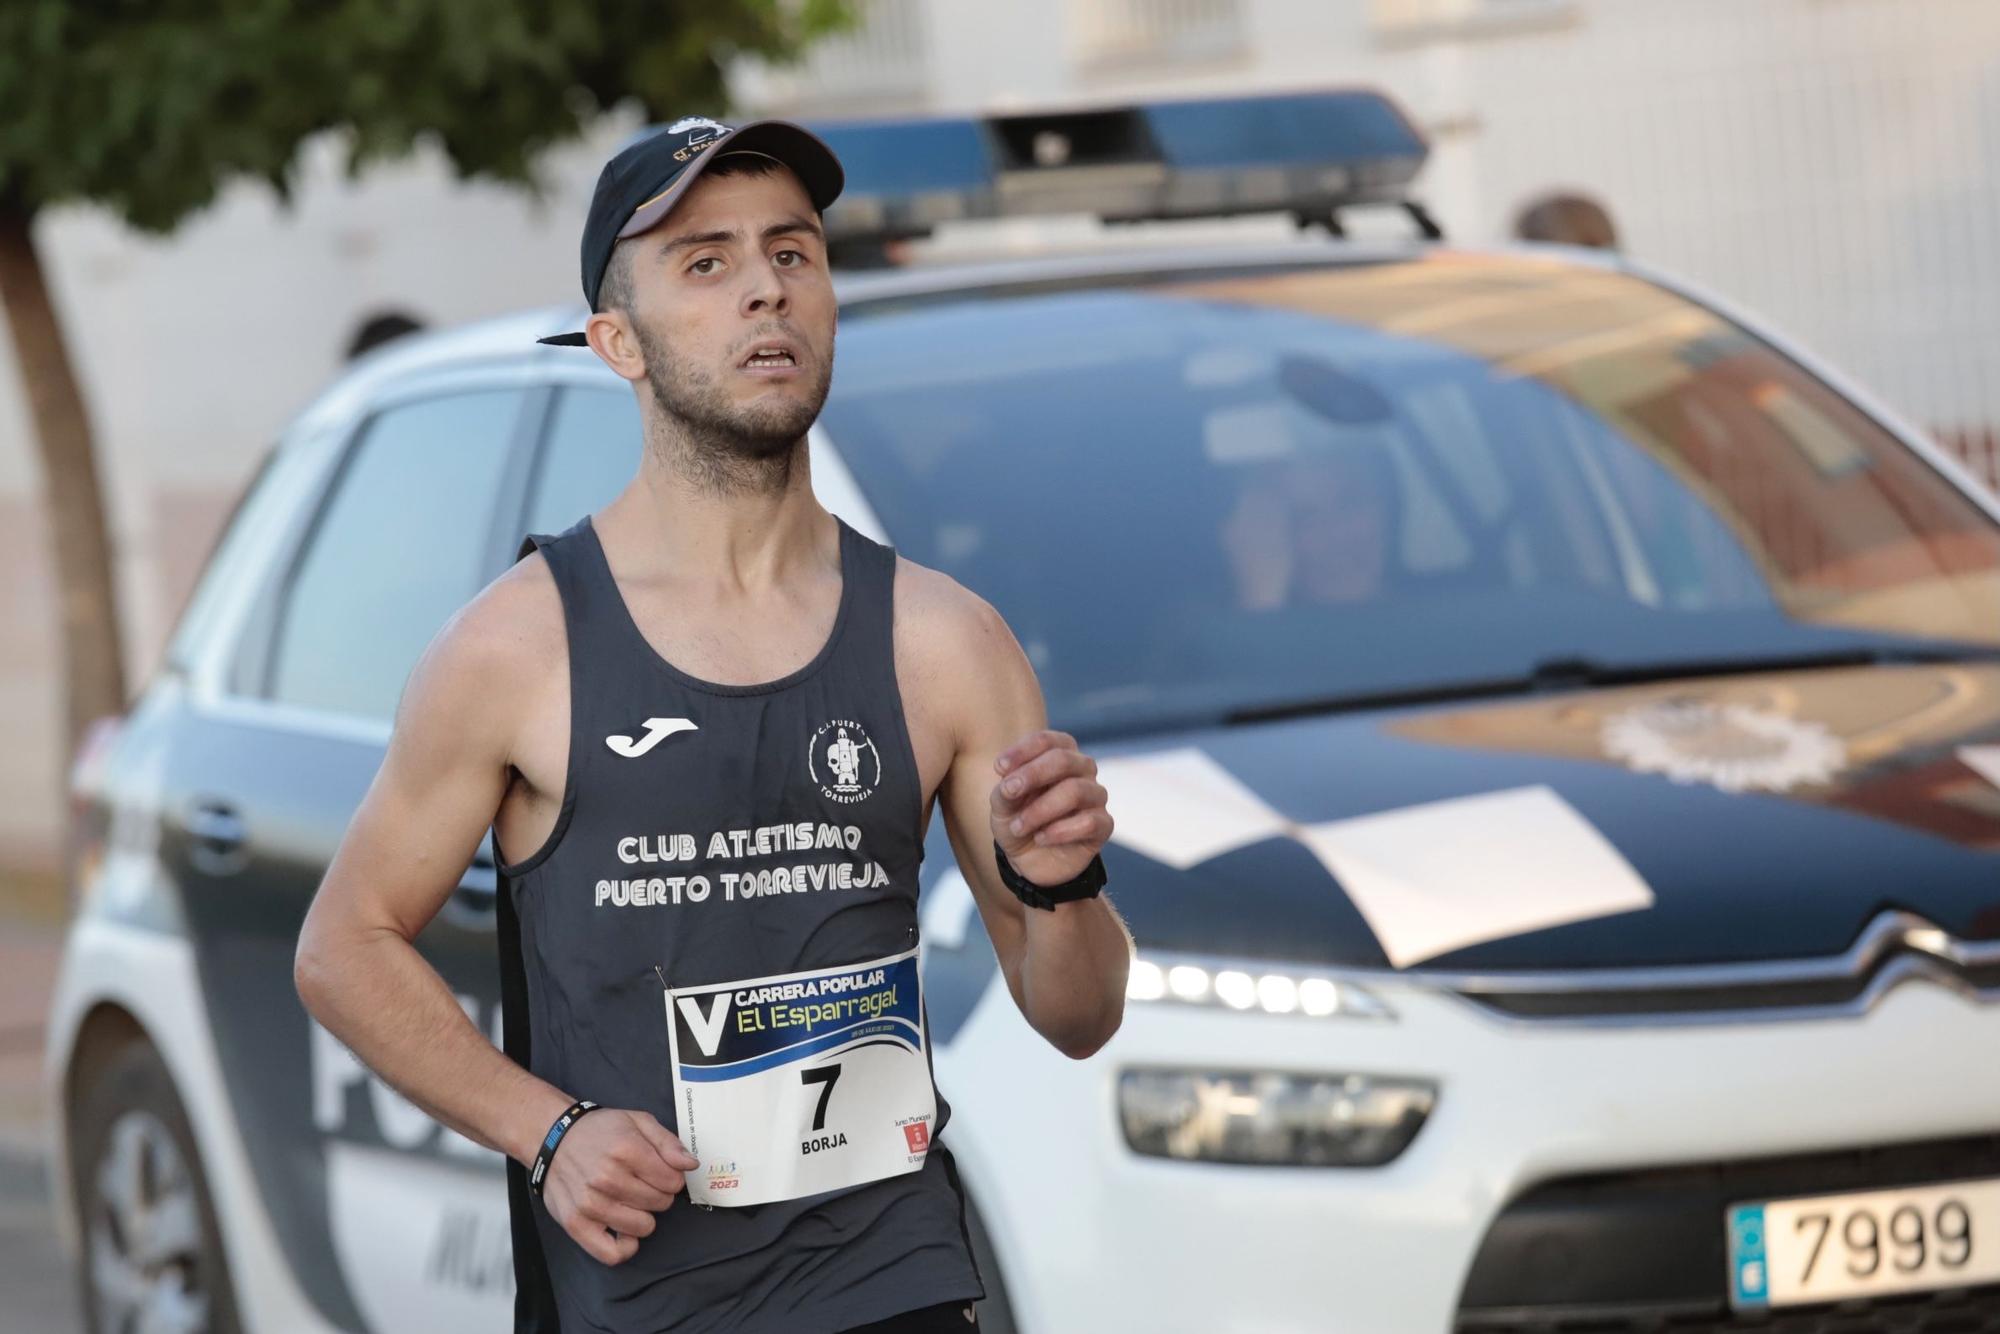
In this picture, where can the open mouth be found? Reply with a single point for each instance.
(771, 356)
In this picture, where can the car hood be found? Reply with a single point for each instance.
(1698, 820)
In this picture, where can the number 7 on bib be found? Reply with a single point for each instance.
(802, 1083)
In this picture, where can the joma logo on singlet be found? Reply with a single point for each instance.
(657, 730)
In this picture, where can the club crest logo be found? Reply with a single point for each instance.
(844, 761)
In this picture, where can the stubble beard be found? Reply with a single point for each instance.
(721, 448)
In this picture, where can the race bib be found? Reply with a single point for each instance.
(802, 1083)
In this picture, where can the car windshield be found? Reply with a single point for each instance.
(1199, 495)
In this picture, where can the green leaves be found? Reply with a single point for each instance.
(151, 106)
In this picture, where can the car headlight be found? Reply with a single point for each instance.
(1186, 982)
(1336, 1120)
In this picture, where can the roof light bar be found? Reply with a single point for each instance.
(1308, 154)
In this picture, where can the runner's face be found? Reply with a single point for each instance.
(738, 266)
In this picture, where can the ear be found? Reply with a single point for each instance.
(613, 339)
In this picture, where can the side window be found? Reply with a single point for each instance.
(272, 498)
(400, 546)
(590, 453)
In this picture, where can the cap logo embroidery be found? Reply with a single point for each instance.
(702, 133)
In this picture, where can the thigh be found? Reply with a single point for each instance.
(944, 1318)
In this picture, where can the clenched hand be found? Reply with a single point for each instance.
(1048, 807)
(614, 1171)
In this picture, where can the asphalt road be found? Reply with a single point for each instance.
(37, 1291)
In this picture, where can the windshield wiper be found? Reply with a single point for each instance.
(1575, 672)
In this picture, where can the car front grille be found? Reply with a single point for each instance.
(1894, 948)
(1958, 1311)
(1644, 1250)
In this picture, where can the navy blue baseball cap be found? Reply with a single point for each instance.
(646, 178)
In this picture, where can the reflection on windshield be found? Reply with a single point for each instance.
(1835, 511)
(1206, 495)
(1312, 530)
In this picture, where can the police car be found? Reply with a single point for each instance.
(1552, 724)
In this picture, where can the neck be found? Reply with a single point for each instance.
(735, 539)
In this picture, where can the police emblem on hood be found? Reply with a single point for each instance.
(1733, 746)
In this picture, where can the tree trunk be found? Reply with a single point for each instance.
(93, 662)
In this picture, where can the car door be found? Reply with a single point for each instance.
(388, 1220)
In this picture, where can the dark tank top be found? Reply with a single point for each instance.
(745, 832)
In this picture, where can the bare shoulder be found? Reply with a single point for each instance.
(517, 619)
(488, 663)
(945, 622)
(953, 644)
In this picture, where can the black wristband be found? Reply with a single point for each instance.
(547, 1153)
(1085, 885)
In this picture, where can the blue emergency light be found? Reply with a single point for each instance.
(1307, 154)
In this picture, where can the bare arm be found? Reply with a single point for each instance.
(1065, 968)
(416, 831)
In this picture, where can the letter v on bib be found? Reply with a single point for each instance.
(657, 730)
(707, 1028)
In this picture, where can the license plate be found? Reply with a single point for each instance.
(1826, 1248)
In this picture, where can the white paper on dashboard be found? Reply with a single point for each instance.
(1445, 874)
(1180, 807)
(1982, 760)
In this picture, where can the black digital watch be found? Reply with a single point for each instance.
(1086, 884)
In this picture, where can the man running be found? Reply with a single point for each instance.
(707, 725)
